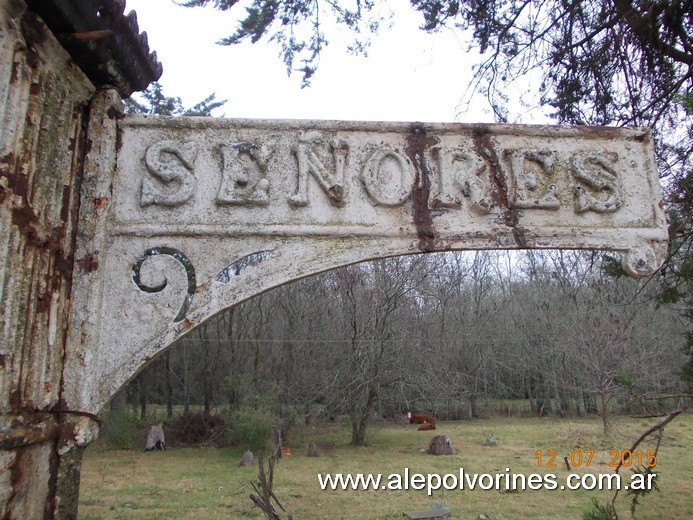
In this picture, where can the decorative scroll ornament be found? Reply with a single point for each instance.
(185, 262)
(240, 265)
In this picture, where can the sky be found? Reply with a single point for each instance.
(409, 75)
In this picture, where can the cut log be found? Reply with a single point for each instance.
(441, 445)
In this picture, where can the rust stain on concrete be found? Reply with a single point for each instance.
(483, 145)
(418, 141)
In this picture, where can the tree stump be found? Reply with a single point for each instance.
(248, 459)
(155, 438)
(441, 445)
(313, 449)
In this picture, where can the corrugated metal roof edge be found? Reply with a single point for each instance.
(104, 42)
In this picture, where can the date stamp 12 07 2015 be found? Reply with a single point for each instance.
(586, 458)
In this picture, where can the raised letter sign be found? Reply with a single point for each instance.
(172, 182)
(533, 176)
(388, 177)
(378, 189)
(596, 171)
(244, 175)
(463, 172)
(309, 164)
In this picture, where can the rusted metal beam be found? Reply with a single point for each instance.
(24, 430)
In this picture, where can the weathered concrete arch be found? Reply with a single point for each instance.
(120, 234)
(187, 217)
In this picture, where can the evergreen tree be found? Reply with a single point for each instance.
(154, 102)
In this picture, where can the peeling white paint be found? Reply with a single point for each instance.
(193, 196)
(53, 319)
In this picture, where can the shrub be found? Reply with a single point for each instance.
(598, 511)
(490, 440)
(118, 430)
(252, 429)
(196, 429)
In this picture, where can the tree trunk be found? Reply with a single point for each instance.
(119, 400)
(359, 424)
(143, 402)
(169, 386)
(533, 405)
(604, 401)
(207, 396)
(186, 379)
(472, 408)
(580, 404)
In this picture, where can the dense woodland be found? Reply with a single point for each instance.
(460, 335)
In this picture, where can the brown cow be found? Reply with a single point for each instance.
(426, 421)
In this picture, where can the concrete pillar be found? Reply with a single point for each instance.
(43, 101)
(45, 98)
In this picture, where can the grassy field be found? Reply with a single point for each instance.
(209, 484)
